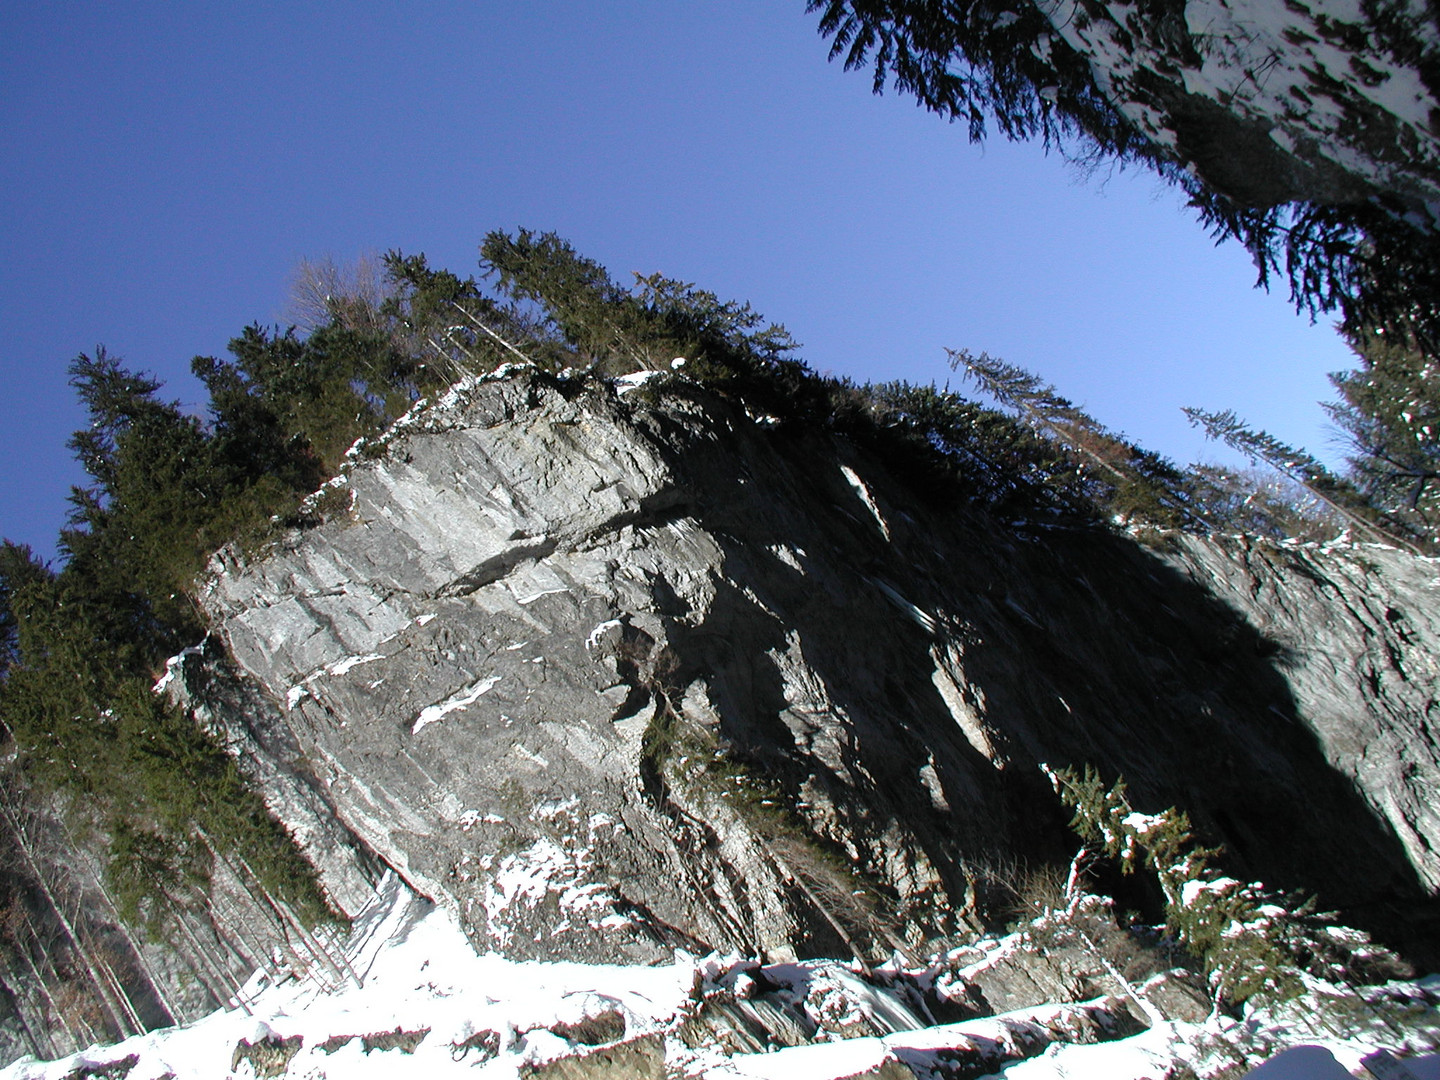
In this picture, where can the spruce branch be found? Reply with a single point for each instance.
(1263, 448)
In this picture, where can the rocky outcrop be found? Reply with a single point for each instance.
(610, 674)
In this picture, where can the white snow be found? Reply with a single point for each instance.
(788, 555)
(465, 698)
(636, 379)
(1193, 890)
(525, 878)
(531, 582)
(417, 974)
(172, 668)
(340, 667)
(1149, 1054)
(1142, 823)
(594, 637)
(923, 618)
(420, 975)
(1267, 60)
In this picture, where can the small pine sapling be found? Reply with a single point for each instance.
(1254, 943)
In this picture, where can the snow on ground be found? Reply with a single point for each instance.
(421, 977)
(424, 1006)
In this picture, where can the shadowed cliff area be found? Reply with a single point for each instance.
(1023, 644)
(734, 683)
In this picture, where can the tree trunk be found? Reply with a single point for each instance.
(112, 981)
(201, 956)
(42, 985)
(22, 843)
(12, 1000)
(155, 984)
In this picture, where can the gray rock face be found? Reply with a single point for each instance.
(611, 676)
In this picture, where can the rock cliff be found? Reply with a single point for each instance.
(612, 672)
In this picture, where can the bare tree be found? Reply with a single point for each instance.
(15, 930)
(322, 291)
(17, 1009)
(116, 1013)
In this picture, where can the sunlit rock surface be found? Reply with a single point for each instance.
(608, 677)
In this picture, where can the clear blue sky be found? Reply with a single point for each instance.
(164, 166)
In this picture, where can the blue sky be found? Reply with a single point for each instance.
(165, 165)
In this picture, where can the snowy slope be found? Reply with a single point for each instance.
(430, 1008)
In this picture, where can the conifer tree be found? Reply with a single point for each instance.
(1389, 409)
(581, 302)
(998, 63)
(622, 330)
(1334, 491)
(1254, 942)
(452, 325)
(81, 646)
(1125, 479)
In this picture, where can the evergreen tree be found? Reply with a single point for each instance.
(81, 646)
(20, 571)
(1123, 479)
(1389, 409)
(453, 326)
(1262, 502)
(317, 394)
(1254, 942)
(1335, 492)
(579, 299)
(978, 62)
(983, 62)
(646, 329)
(950, 444)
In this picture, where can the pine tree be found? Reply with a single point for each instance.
(453, 326)
(620, 330)
(319, 393)
(1259, 501)
(1124, 479)
(1254, 942)
(949, 444)
(989, 62)
(81, 646)
(1389, 409)
(1335, 492)
(579, 300)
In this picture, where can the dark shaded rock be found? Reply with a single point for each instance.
(404, 1041)
(269, 1056)
(1179, 995)
(483, 1044)
(641, 1058)
(605, 1027)
(111, 1070)
(612, 678)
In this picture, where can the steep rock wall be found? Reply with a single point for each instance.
(611, 676)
